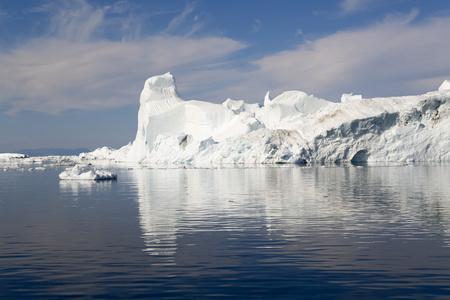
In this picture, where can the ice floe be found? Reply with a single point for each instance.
(76, 173)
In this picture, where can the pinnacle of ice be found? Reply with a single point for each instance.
(350, 97)
(445, 86)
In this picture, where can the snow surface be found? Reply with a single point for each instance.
(291, 128)
(350, 97)
(76, 173)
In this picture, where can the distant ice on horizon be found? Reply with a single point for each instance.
(10, 156)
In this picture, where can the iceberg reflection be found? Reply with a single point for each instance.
(78, 188)
(305, 207)
(160, 195)
(175, 202)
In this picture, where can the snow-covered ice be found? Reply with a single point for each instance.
(76, 173)
(294, 127)
(350, 97)
(106, 153)
(445, 86)
(11, 156)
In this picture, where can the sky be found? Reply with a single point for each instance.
(71, 71)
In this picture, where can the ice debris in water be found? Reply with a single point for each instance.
(76, 173)
(11, 156)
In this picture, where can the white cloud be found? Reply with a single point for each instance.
(69, 69)
(351, 6)
(52, 75)
(393, 57)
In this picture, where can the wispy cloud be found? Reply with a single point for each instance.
(351, 6)
(97, 75)
(69, 68)
(388, 58)
(257, 25)
(181, 22)
(66, 69)
(72, 20)
(3, 16)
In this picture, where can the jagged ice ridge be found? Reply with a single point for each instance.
(291, 128)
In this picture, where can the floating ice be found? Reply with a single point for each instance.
(11, 156)
(75, 173)
(291, 128)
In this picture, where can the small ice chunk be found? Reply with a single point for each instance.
(350, 97)
(76, 173)
(236, 106)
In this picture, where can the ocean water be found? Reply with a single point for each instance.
(262, 233)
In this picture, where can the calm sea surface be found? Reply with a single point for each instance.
(271, 232)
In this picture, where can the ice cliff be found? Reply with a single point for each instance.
(291, 128)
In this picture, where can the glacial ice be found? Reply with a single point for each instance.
(294, 127)
(12, 156)
(350, 97)
(76, 173)
(445, 86)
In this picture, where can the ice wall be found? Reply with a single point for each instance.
(163, 114)
(291, 128)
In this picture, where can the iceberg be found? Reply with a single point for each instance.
(76, 173)
(293, 127)
(163, 113)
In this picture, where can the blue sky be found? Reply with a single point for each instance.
(72, 71)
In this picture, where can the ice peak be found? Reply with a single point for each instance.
(445, 86)
(165, 80)
(160, 87)
(267, 99)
